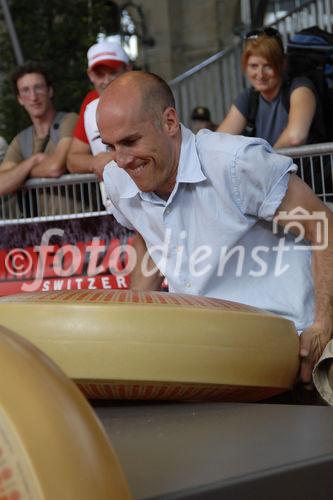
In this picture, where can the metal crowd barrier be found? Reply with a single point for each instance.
(315, 167)
(67, 197)
(79, 196)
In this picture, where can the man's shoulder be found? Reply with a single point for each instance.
(221, 155)
(227, 144)
(68, 116)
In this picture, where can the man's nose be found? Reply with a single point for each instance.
(33, 94)
(123, 159)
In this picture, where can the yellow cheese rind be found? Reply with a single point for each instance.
(197, 342)
(50, 439)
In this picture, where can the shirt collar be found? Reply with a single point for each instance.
(189, 167)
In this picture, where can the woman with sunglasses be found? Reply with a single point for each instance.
(263, 62)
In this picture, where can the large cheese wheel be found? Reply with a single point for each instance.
(51, 445)
(136, 345)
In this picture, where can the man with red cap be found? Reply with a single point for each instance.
(87, 154)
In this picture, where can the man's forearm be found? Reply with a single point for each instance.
(80, 163)
(12, 175)
(322, 266)
(49, 168)
(11, 180)
(315, 338)
(54, 164)
(145, 275)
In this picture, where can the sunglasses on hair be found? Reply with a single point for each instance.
(271, 32)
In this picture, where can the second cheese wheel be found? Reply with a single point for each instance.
(52, 446)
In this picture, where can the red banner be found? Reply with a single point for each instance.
(77, 254)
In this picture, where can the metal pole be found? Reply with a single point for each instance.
(12, 32)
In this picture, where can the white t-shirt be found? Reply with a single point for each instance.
(95, 141)
(91, 128)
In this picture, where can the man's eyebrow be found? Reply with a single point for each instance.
(130, 137)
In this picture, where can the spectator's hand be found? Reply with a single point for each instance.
(312, 343)
(99, 161)
(37, 158)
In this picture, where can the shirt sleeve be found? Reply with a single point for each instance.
(302, 81)
(13, 153)
(260, 179)
(242, 103)
(79, 131)
(67, 125)
(65, 131)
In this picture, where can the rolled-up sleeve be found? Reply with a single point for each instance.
(260, 179)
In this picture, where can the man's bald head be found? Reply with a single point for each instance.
(153, 93)
(138, 122)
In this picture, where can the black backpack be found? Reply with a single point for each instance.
(309, 54)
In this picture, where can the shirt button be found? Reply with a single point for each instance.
(167, 211)
(188, 285)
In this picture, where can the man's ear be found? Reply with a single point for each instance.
(170, 121)
(19, 100)
(90, 74)
(50, 92)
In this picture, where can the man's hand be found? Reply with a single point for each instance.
(36, 159)
(312, 343)
(13, 175)
(98, 163)
(314, 338)
(53, 165)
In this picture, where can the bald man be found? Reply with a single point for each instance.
(211, 209)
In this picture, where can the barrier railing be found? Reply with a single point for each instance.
(67, 197)
(79, 196)
(217, 81)
(315, 162)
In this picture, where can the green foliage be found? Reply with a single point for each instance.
(57, 33)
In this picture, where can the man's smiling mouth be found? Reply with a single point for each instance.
(137, 170)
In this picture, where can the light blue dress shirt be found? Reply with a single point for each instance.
(214, 235)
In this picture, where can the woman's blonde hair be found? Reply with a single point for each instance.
(265, 46)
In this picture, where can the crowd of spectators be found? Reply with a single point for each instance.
(58, 142)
